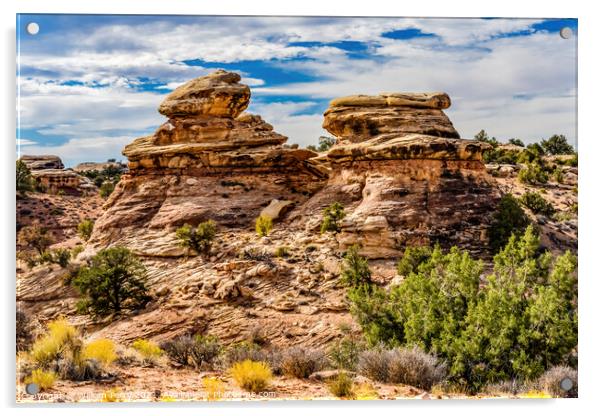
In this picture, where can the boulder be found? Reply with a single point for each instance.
(276, 209)
(218, 94)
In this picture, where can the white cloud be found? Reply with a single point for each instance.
(481, 71)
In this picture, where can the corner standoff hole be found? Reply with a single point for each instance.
(32, 28)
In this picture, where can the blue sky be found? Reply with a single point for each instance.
(90, 84)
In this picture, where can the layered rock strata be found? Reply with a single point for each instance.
(210, 160)
(404, 175)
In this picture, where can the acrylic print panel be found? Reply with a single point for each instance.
(291, 208)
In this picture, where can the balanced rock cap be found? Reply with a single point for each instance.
(435, 100)
(218, 94)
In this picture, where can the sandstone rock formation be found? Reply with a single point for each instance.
(38, 162)
(208, 161)
(403, 175)
(49, 173)
(98, 166)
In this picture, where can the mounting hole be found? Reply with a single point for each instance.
(566, 384)
(32, 28)
(566, 33)
(32, 388)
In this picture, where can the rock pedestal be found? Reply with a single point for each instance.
(404, 175)
(210, 160)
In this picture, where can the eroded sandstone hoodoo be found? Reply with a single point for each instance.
(210, 160)
(404, 175)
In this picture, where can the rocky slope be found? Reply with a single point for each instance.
(399, 169)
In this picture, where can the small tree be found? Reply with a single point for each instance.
(516, 142)
(332, 216)
(36, 237)
(533, 174)
(325, 143)
(106, 189)
(25, 182)
(537, 203)
(508, 219)
(557, 145)
(113, 281)
(482, 136)
(356, 271)
(263, 225)
(84, 229)
(199, 239)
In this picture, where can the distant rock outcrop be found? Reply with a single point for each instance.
(208, 161)
(39, 162)
(403, 175)
(51, 176)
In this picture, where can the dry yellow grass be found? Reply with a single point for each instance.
(253, 376)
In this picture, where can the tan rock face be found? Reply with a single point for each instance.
(208, 161)
(38, 162)
(360, 117)
(218, 94)
(403, 175)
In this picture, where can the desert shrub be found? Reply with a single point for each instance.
(106, 189)
(60, 350)
(75, 251)
(59, 339)
(508, 219)
(44, 379)
(344, 353)
(253, 376)
(112, 395)
(302, 362)
(263, 225)
(205, 350)
(149, 350)
(113, 281)
(356, 271)
(551, 381)
(342, 385)
(522, 321)
(533, 174)
(375, 363)
(331, 218)
(558, 175)
(214, 387)
(24, 330)
(410, 366)
(282, 251)
(84, 229)
(199, 239)
(35, 237)
(416, 368)
(516, 142)
(557, 145)
(25, 182)
(101, 350)
(501, 155)
(412, 258)
(243, 351)
(537, 203)
(178, 349)
(60, 256)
